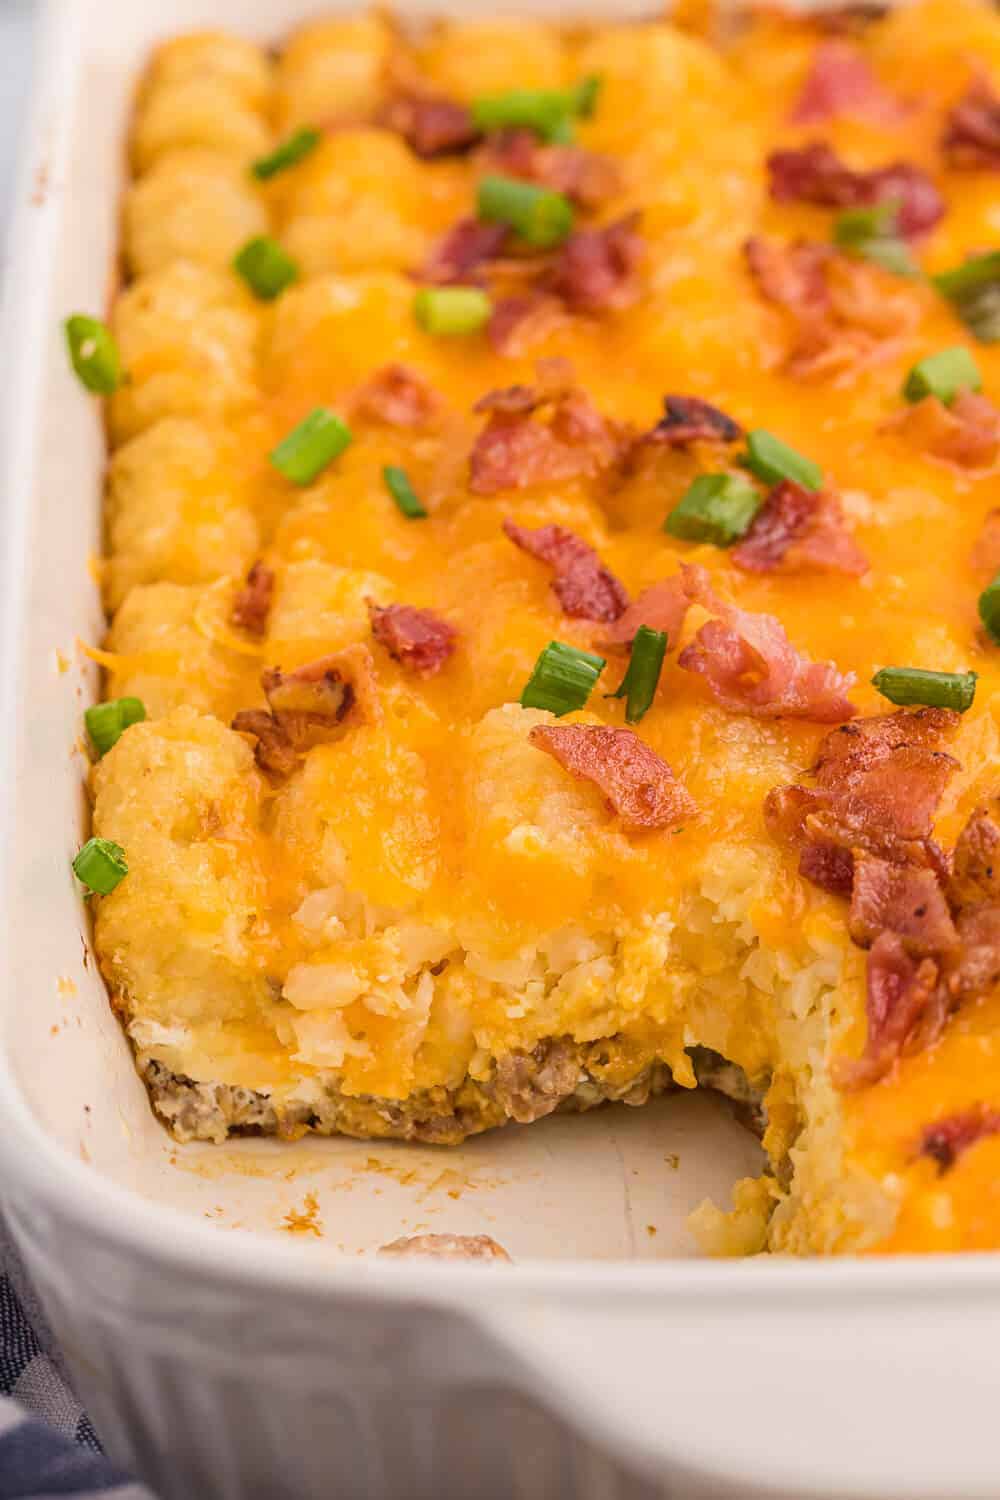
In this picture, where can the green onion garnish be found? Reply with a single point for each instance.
(913, 685)
(93, 353)
(973, 289)
(452, 309)
(562, 680)
(871, 234)
(287, 154)
(643, 672)
(107, 722)
(265, 267)
(319, 438)
(989, 609)
(101, 865)
(714, 508)
(943, 375)
(540, 216)
(397, 482)
(549, 112)
(772, 460)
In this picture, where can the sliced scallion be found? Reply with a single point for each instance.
(587, 92)
(989, 609)
(715, 508)
(287, 154)
(93, 354)
(973, 289)
(944, 375)
(397, 482)
(914, 685)
(562, 679)
(307, 450)
(541, 217)
(638, 686)
(265, 267)
(107, 722)
(452, 309)
(772, 460)
(549, 112)
(871, 234)
(101, 865)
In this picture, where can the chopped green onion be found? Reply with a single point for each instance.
(772, 460)
(643, 672)
(107, 722)
(397, 482)
(549, 112)
(871, 234)
(265, 267)
(911, 685)
(944, 375)
(93, 353)
(973, 289)
(287, 154)
(540, 216)
(989, 609)
(452, 309)
(100, 865)
(563, 679)
(319, 438)
(588, 91)
(714, 508)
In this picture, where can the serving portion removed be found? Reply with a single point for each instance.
(552, 572)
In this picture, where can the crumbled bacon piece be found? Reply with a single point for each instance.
(688, 419)
(975, 968)
(816, 174)
(252, 604)
(586, 590)
(517, 449)
(597, 269)
(664, 607)
(946, 1139)
(975, 867)
(966, 433)
(752, 667)
(430, 124)
(886, 773)
(398, 396)
(986, 550)
(902, 898)
(840, 82)
(637, 785)
(905, 1011)
(827, 865)
(519, 323)
(972, 131)
(586, 177)
(418, 638)
(307, 706)
(798, 530)
(464, 250)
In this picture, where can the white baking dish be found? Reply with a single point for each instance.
(222, 1354)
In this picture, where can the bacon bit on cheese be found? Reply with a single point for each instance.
(307, 706)
(417, 638)
(843, 312)
(800, 531)
(986, 550)
(586, 177)
(516, 449)
(398, 396)
(688, 419)
(905, 1011)
(971, 136)
(816, 174)
(840, 82)
(586, 590)
(975, 866)
(430, 124)
(664, 607)
(752, 667)
(886, 774)
(597, 269)
(966, 433)
(464, 251)
(637, 785)
(519, 323)
(252, 604)
(901, 898)
(946, 1139)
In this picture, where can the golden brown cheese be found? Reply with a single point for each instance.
(428, 894)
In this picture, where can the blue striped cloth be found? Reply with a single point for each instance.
(47, 1444)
